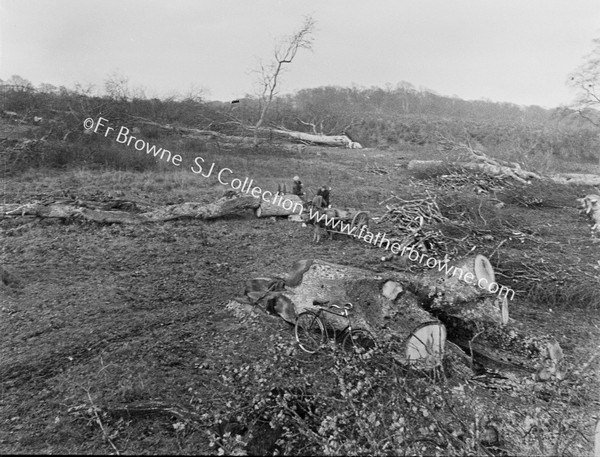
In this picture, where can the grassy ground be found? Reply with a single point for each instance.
(95, 317)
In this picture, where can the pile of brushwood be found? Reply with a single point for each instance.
(412, 220)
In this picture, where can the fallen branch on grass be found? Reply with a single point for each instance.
(481, 164)
(473, 159)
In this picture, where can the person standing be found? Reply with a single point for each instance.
(297, 187)
(324, 192)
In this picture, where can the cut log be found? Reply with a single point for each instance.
(267, 209)
(457, 292)
(335, 140)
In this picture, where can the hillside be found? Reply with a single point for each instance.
(118, 338)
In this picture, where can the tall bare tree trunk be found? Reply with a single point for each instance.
(284, 53)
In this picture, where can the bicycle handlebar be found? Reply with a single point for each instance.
(346, 306)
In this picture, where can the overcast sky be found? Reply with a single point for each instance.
(518, 51)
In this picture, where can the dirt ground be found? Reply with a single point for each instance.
(95, 317)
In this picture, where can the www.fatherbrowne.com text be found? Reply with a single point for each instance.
(378, 240)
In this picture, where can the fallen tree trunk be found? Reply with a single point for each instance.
(231, 204)
(335, 140)
(233, 140)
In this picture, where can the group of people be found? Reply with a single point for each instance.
(323, 191)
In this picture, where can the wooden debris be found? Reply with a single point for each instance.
(410, 218)
(480, 183)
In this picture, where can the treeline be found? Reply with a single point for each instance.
(382, 118)
(375, 117)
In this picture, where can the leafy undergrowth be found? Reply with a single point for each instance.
(335, 404)
(117, 338)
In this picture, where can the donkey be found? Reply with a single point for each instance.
(319, 205)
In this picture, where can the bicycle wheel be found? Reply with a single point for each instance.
(310, 332)
(359, 342)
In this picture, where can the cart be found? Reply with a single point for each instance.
(356, 219)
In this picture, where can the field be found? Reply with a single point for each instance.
(97, 318)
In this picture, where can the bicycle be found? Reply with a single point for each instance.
(311, 333)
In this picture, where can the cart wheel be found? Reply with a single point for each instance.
(360, 219)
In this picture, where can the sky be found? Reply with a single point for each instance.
(516, 51)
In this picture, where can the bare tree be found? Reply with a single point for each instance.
(586, 81)
(117, 86)
(285, 52)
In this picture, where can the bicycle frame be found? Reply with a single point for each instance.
(344, 314)
(317, 324)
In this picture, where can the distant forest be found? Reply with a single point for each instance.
(384, 118)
